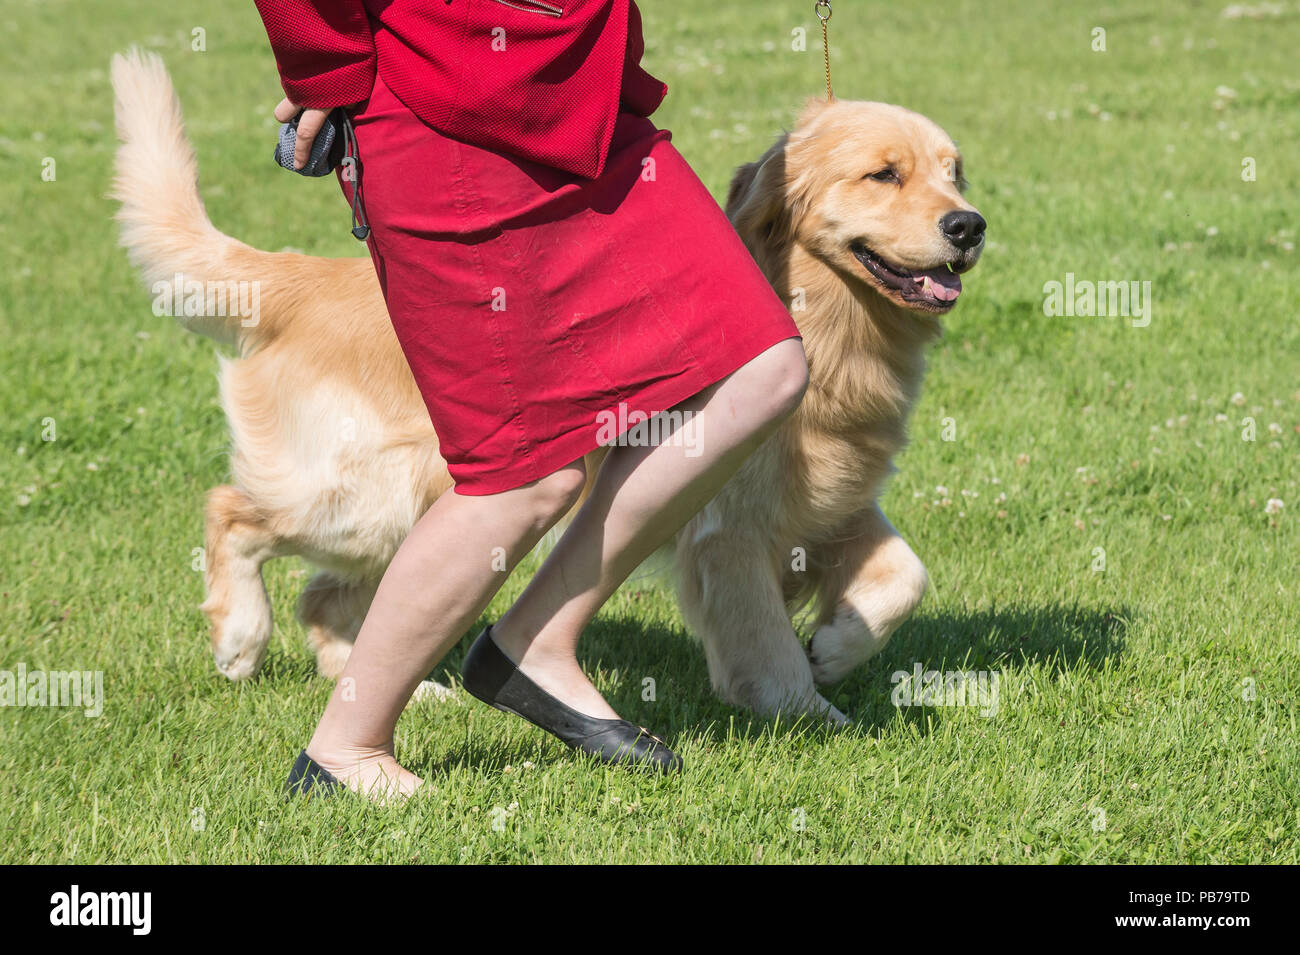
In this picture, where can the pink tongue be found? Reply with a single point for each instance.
(944, 285)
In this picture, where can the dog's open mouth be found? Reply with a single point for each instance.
(933, 289)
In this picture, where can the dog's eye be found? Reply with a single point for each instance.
(888, 174)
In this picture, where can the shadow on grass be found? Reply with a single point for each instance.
(286, 667)
(1058, 638)
(627, 654)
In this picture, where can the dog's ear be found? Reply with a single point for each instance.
(756, 199)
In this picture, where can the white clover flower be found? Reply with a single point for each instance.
(1274, 506)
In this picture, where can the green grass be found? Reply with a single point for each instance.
(1125, 688)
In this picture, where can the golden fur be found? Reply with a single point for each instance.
(334, 458)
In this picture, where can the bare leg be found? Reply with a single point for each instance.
(418, 614)
(642, 497)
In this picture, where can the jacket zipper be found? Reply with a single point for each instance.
(534, 6)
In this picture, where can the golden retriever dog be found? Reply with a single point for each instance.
(857, 219)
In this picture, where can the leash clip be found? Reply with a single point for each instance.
(826, 43)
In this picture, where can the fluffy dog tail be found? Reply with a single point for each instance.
(210, 282)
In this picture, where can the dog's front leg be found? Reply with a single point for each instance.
(878, 584)
(729, 585)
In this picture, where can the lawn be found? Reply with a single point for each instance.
(1096, 499)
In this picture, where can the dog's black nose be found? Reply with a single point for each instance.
(963, 229)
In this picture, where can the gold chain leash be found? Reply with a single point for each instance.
(826, 43)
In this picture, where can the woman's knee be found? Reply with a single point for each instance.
(781, 375)
(553, 496)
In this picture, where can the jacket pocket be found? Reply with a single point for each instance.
(542, 7)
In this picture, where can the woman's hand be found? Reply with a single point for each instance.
(309, 125)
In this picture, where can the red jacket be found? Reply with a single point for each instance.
(539, 79)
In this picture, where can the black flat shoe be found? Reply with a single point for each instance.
(489, 676)
(309, 776)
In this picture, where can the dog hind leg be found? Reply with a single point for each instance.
(332, 609)
(238, 541)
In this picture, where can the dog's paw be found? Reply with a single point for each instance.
(836, 649)
(240, 639)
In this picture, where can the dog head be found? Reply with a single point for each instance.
(873, 191)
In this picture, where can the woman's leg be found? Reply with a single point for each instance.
(446, 571)
(442, 576)
(642, 497)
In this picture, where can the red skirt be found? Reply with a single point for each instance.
(535, 306)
